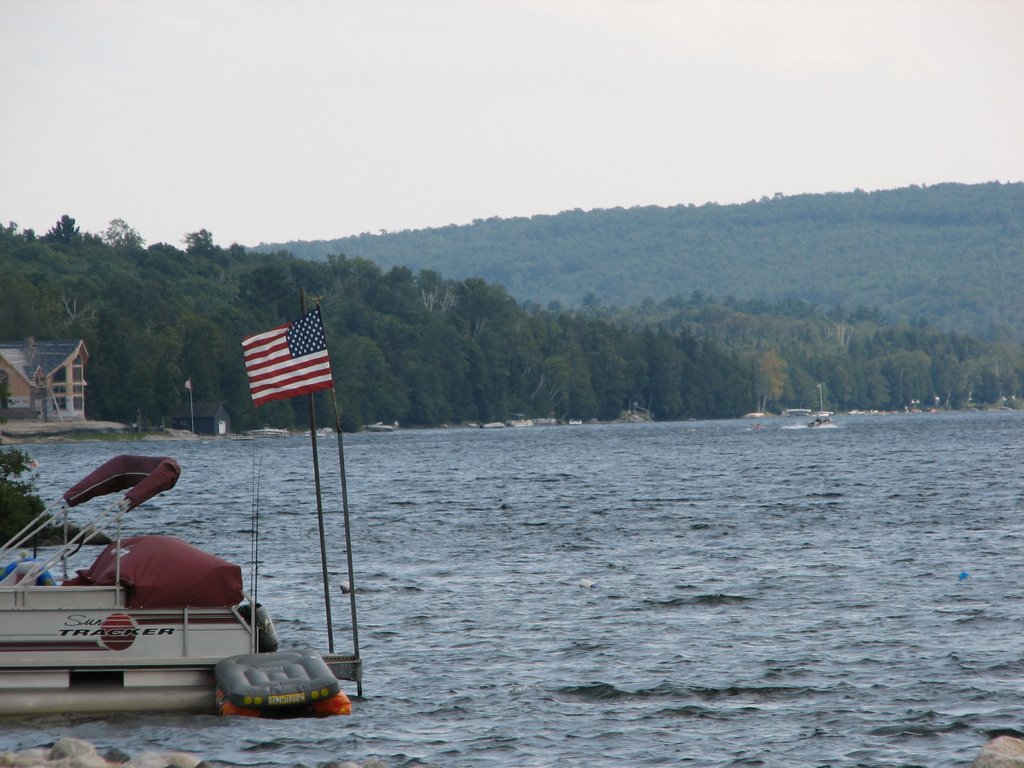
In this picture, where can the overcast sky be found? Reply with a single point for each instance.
(314, 119)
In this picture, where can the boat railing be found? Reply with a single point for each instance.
(76, 597)
(32, 529)
(139, 477)
(110, 516)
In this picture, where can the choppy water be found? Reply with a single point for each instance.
(790, 597)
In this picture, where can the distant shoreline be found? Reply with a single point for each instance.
(17, 431)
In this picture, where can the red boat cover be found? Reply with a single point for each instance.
(165, 572)
(145, 476)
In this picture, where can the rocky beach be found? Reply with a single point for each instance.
(75, 753)
(1000, 752)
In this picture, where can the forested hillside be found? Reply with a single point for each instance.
(423, 349)
(950, 254)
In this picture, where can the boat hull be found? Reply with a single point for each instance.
(94, 698)
(80, 649)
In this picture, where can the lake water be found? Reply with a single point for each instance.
(785, 597)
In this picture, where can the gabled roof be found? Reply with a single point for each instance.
(29, 357)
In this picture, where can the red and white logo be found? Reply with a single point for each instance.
(117, 632)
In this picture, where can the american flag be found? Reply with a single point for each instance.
(289, 360)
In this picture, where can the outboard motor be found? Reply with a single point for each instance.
(266, 635)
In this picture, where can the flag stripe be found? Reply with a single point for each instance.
(255, 347)
(292, 390)
(288, 369)
(289, 360)
(258, 337)
(290, 378)
(286, 377)
(274, 356)
(267, 363)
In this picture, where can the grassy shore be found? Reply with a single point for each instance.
(24, 431)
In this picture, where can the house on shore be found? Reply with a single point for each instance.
(210, 419)
(46, 379)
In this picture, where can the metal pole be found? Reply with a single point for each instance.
(348, 538)
(319, 504)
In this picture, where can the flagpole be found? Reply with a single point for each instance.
(304, 341)
(191, 410)
(319, 502)
(348, 539)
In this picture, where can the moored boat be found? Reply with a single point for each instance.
(268, 432)
(142, 628)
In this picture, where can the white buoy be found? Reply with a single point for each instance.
(345, 587)
(587, 584)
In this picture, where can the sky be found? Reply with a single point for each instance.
(271, 121)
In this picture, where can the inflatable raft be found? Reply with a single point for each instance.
(292, 683)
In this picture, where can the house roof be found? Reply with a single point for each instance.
(27, 357)
(202, 411)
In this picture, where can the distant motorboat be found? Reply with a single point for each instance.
(381, 427)
(268, 432)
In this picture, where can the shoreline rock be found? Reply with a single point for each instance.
(75, 753)
(1001, 752)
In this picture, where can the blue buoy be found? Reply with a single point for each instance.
(964, 575)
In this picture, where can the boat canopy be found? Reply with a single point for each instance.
(165, 572)
(144, 476)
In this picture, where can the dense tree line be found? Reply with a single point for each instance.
(861, 361)
(415, 348)
(952, 254)
(421, 349)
